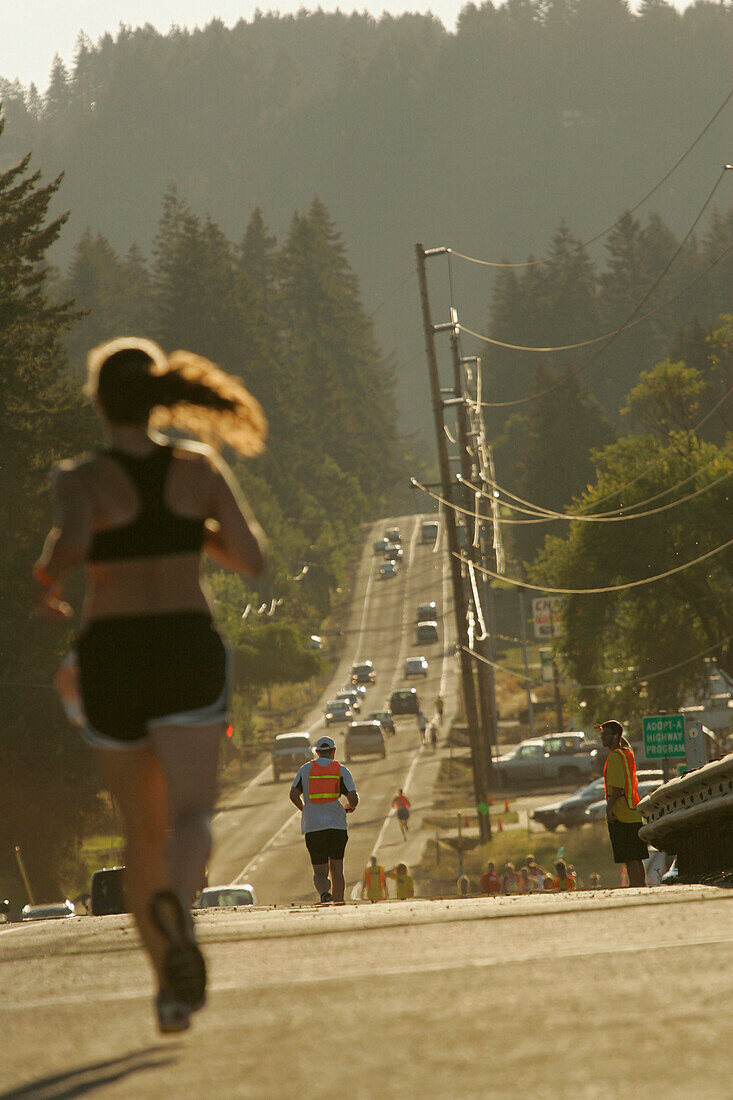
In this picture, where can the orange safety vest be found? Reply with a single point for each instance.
(324, 784)
(568, 884)
(631, 789)
(375, 871)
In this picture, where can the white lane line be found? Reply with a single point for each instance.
(265, 847)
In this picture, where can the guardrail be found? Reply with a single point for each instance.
(692, 817)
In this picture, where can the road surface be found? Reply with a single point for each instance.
(257, 834)
(611, 994)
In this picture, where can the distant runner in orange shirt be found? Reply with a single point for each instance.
(402, 804)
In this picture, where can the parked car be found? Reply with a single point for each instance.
(426, 612)
(564, 757)
(363, 673)
(597, 810)
(404, 701)
(338, 711)
(388, 569)
(53, 910)
(352, 697)
(289, 751)
(427, 633)
(416, 666)
(429, 531)
(571, 811)
(380, 545)
(547, 815)
(226, 897)
(385, 719)
(315, 641)
(364, 739)
(393, 535)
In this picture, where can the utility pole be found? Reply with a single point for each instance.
(523, 629)
(484, 672)
(555, 676)
(478, 763)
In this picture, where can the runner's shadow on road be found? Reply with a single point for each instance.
(77, 1082)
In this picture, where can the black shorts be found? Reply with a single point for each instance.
(403, 813)
(325, 844)
(625, 841)
(139, 670)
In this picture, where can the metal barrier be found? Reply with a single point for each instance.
(692, 817)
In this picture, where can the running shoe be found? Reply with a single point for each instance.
(326, 896)
(172, 1015)
(184, 969)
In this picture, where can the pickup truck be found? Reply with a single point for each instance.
(558, 758)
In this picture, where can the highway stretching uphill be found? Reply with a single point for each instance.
(597, 994)
(257, 834)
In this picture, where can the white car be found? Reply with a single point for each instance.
(227, 897)
(416, 666)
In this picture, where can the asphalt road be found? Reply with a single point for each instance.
(606, 995)
(257, 834)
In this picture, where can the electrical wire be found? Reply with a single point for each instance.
(604, 687)
(606, 588)
(627, 324)
(610, 228)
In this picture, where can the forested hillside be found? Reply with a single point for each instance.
(483, 139)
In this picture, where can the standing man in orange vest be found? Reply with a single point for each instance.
(622, 799)
(316, 792)
(374, 881)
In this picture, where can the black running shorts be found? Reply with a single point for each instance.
(625, 841)
(325, 844)
(139, 670)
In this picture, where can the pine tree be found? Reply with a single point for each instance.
(45, 768)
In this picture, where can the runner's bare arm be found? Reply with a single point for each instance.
(68, 540)
(295, 798)
(233, 539)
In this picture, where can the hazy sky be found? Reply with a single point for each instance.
(32, 31)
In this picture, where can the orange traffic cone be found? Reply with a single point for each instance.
(506, 805)
(491, 801)
(499, 825)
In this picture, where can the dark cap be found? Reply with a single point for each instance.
(611, 726)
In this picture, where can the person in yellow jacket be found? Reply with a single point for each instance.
(374, 881)
(622, 799)
(403, 880)
(563, 879)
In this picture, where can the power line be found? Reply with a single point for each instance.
(604, 232)
(605, 588)
(628, 323)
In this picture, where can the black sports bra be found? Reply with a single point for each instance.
(155, 530)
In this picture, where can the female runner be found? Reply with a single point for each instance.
(152, 670)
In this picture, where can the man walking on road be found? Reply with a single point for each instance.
(316, 792)
(374, 881)
(622, 799)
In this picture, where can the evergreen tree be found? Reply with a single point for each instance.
(46, 770)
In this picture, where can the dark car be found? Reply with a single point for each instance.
(393, 553)
(338, 710)
(571, 811)
(289, 751)
(393, 534)
(363, 673)
(385, 719)
(547, 815)
(426, 612)
(404, 701)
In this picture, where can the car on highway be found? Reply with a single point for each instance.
(52, 910)
(404, 701)
(364, 739)
(352, 696)
(393, 535)
(558, 757)
(338, 711)
(597, 810)
(426, 612)
(385, 719)
(289, 751)
(380, 545)
(416, 666)
(363, 673)
(388, 569)
(393, 553)
(427, 633)
(227, 897)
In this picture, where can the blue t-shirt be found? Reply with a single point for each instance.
(322, 815)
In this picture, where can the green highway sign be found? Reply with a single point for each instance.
(664, 735)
